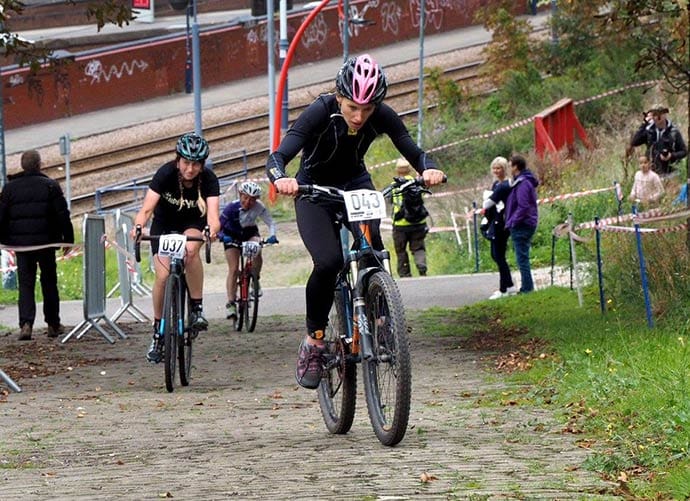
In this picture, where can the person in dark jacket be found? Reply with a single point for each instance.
(496, 231)
(34, 215)
(522, 217)
(665, 145)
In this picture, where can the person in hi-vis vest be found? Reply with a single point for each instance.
(408, 233)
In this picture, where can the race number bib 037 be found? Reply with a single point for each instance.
(362, 205)
(172, 246)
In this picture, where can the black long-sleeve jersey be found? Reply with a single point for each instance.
(333, 157)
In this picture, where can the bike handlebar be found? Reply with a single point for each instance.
(139, 236)
(238, 244)
(337, 194)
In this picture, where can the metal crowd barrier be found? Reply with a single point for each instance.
(129, 271)
(94, 282)
(8, 381)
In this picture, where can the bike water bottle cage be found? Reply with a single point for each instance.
(317, 334)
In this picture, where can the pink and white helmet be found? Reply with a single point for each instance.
(361, 80)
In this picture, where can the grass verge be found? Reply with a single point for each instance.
(619, 387)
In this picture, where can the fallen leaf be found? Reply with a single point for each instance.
(425, 477)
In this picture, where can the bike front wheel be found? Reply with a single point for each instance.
(338, 389)
(388, 374)
(172, 318)
(185, 350)
(241, 304)
(252, 309)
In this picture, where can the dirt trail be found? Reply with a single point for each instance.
(97, 422)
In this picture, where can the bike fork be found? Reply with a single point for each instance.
(366, 342)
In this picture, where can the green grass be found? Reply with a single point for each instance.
(616, 384)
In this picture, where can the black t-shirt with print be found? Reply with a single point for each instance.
(175, 213)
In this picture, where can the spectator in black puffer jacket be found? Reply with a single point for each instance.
(34, 215)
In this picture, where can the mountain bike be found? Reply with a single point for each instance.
(177, 332)
(366, 324)
(247, 292)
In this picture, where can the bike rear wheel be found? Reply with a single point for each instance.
(172, 318)
(388, 375)
(338, 389)
(252, 304)
(185, 348)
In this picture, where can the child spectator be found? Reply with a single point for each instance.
(647, 187)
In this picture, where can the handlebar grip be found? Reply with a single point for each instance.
(207, 243)
(137, 244)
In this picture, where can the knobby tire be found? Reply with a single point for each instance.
(338, 389)
(185, 344)
(388, 375)
(252, 304)
(172, 319)
(241, 303)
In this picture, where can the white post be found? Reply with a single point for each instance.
(270, 30)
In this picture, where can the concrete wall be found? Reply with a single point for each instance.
(125, 74)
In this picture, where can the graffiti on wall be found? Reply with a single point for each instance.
(95, 70)
(316, 33)
(433, 12)
(390, 17)
(358, 19)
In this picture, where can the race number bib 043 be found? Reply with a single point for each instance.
(172, 246)
(362, 205)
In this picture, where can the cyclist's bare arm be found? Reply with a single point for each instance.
(213, 216)
(150, 201)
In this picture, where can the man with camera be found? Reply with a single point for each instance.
(664, 142)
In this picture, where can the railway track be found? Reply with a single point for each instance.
(236, 141)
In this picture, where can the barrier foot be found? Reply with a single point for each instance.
(86, 325)
(133, 310)
(8, 380)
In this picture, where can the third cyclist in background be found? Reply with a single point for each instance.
(238, 224)
(334, 134)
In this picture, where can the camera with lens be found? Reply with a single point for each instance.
(665, 151)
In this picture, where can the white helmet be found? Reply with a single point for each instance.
(250, 188)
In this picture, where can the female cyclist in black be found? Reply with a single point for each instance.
(334, 133)
(183, 197)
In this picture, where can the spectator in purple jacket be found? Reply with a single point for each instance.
(522, 217)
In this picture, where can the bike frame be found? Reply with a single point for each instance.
(353, 284)
(245, 273)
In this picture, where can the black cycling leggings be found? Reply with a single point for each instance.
(316, 222)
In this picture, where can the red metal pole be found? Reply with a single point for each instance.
(281, 82)
(286, 65)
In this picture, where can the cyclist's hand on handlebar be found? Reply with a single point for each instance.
(136, 232)
(433, 177)
(272, 240)
(286, 186)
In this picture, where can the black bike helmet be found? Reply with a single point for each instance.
(361, 80)
(192, 147)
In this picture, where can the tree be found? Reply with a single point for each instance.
(661, 27)
(118, 12)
